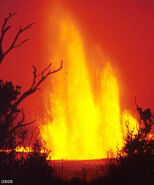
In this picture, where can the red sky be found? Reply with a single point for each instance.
(124, 29)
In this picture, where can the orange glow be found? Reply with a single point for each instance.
(84, 126)
(19, 149)
(130, 123)
(151, 136)
(22, 149)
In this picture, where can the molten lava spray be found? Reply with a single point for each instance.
(82, 126)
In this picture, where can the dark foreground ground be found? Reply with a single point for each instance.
(105, 172)
(86, 170)
(37, 170)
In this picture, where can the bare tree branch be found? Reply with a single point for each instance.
(23, 118)
(21, 43)
(21, 123)
(34, 87)
(14, 43)
(4, 28)
(37, 80)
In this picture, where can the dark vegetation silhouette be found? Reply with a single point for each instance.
(133, 165)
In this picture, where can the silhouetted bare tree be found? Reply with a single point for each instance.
(14, 44)
(10, 96)
(34, 165)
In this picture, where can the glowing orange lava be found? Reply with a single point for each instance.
(83, 127)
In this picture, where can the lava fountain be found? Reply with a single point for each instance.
(82, 124)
